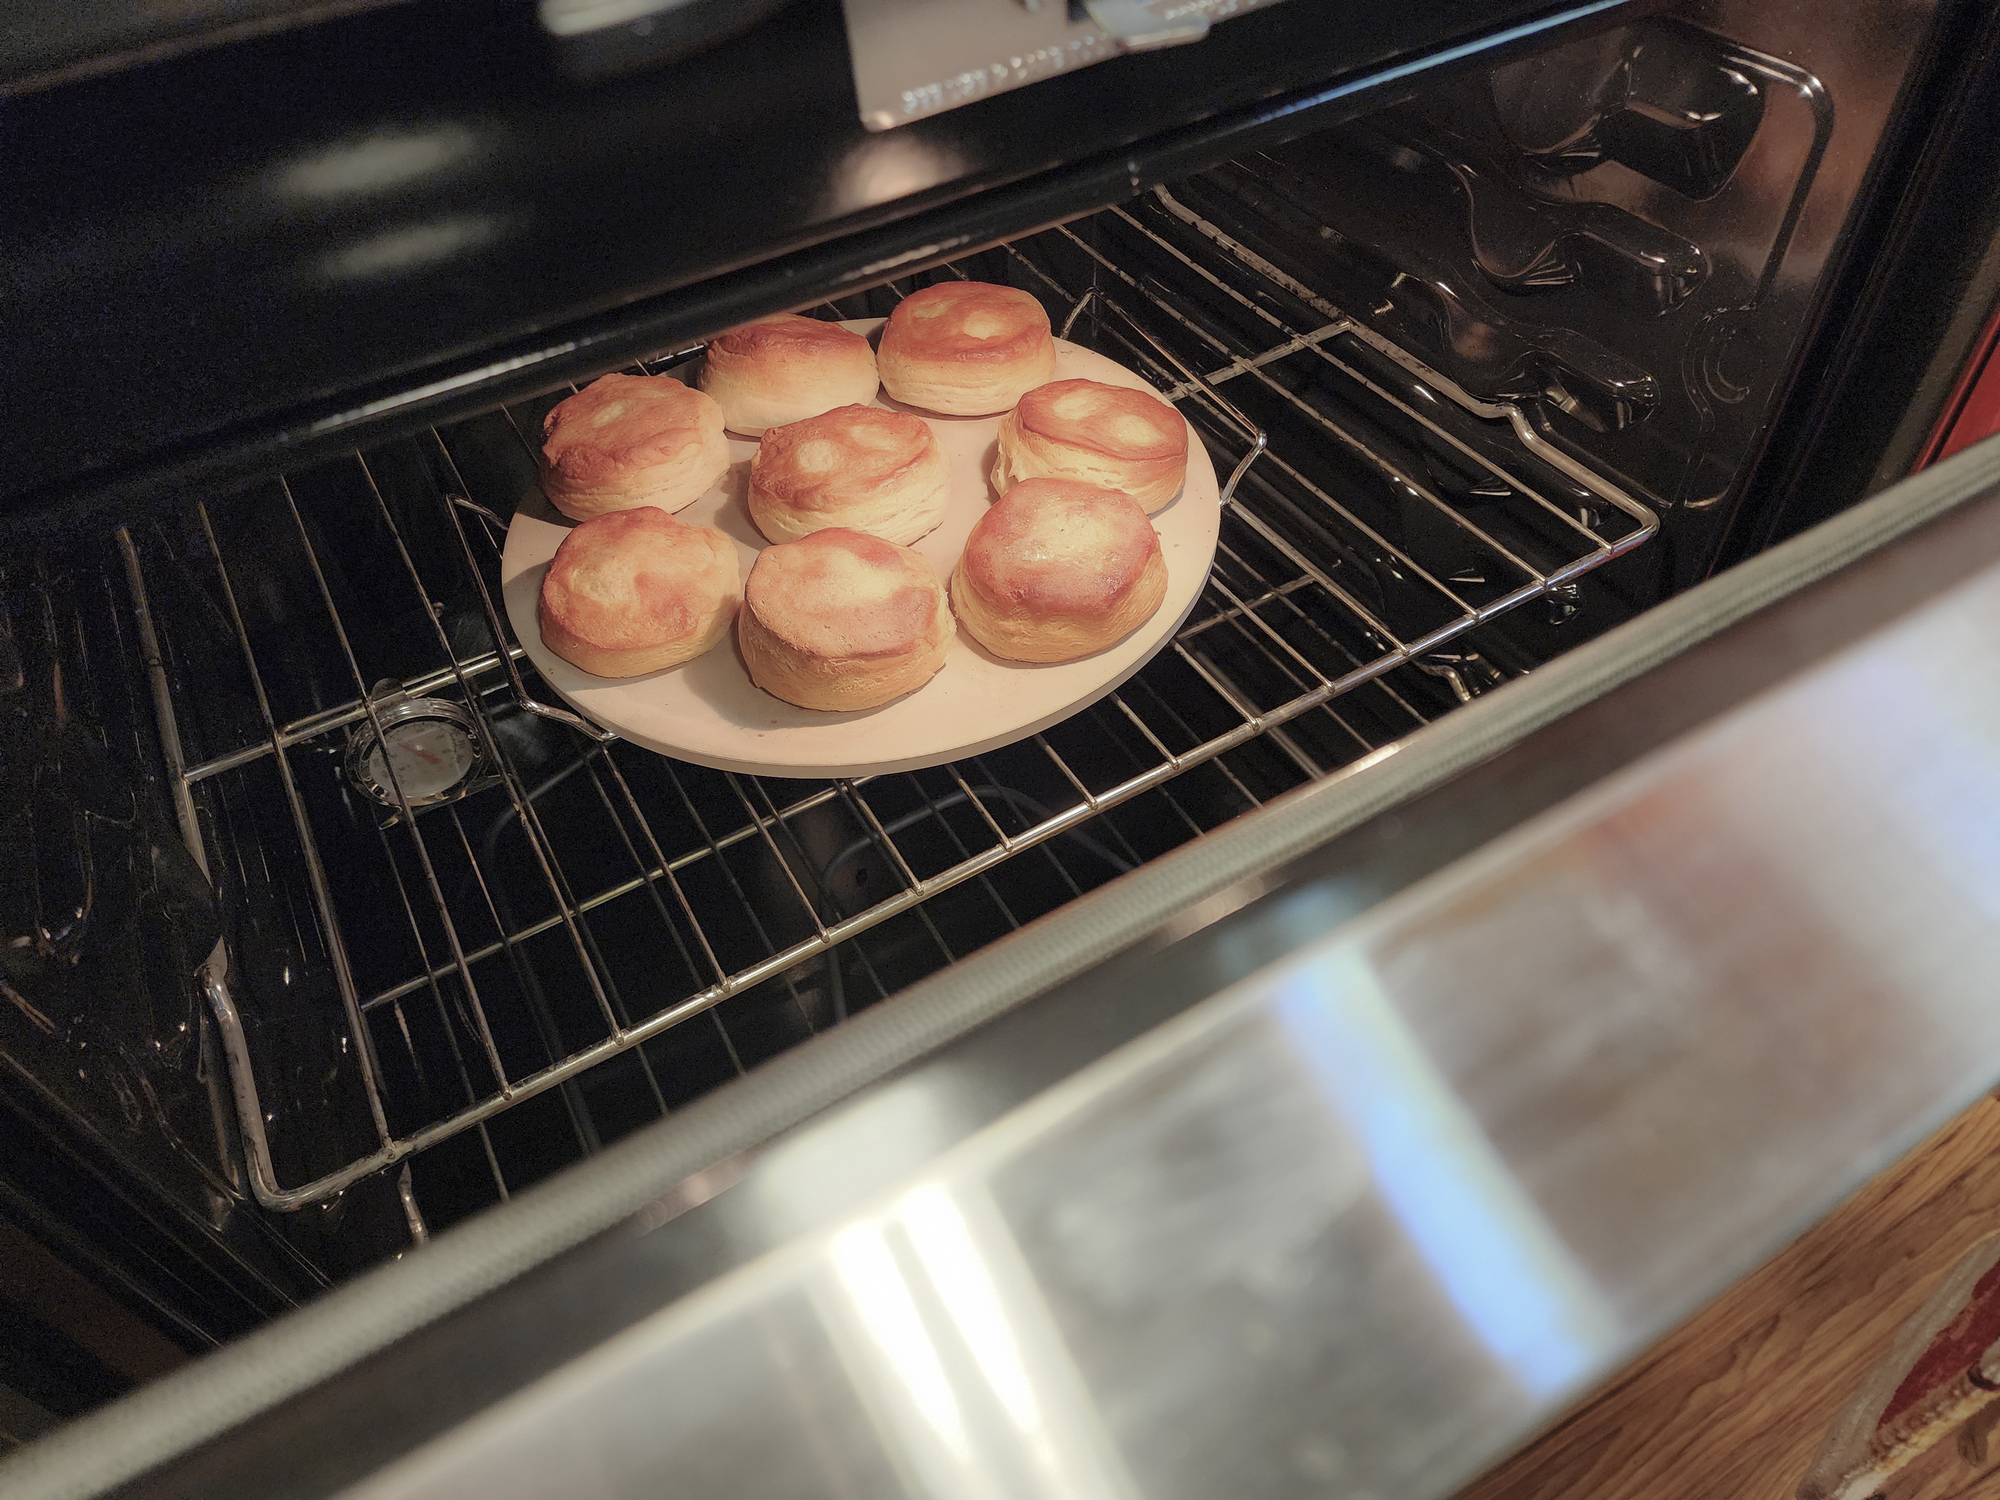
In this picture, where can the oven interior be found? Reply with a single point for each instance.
(1484, 375)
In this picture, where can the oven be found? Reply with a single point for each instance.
(1510, 330)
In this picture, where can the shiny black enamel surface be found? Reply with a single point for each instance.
(244, 250)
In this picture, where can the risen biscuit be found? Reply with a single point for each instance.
(635, 590)
(842, 621)
(785, 369)
(1102, 434)
(966, 347)
(1057, 569)
(627, 440)
(870, 470)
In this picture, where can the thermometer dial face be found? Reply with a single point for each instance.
(429, 756)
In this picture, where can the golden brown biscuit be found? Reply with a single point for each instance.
(841, 621)
(870, 470)
(1057, 569)
(635, 590)
(627, 440)
(965, 347)
(1106, 435)
(785, 369)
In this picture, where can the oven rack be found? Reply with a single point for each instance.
(479, 1008)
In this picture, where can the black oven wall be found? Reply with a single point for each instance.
(1661, 243)
(230, 258)
(1918, 288)
(1662, 246)
(118, 1152)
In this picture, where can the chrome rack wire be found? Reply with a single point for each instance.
(483, 990)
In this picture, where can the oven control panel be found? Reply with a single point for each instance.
(914, 58)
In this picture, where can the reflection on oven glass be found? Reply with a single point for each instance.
(408, 248)
(1492, 1251)
(888, 167)
(803, 1181)
(374, 163)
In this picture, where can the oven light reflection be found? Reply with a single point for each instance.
(807, 1180)
(1494, 1255)
(869, 1275)
(396, 252)
(943, 1328)
(385, 159)
(1933, 801)
(887, 167)
(944, 1244)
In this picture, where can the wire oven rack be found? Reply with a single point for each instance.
(480, 991)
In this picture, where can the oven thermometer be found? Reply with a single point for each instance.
(430, 744)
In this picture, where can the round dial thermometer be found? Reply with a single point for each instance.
(429, 747)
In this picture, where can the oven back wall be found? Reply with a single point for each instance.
(277, 232)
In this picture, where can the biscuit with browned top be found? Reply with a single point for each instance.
(628, 440)
(870, 470)
(785, 369)
(1106, 435)
(635, 590)
(966, 348)
(841, 621)
(1057, 569)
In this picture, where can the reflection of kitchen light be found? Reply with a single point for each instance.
(1930, 809)
(399, 250)
(944, 1244)
(383, 160)
(801, 1183)
(1486, 1241)
(576, 17)
(885, 167)
(869, 1275)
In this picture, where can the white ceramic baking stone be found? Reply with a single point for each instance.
(709, 712)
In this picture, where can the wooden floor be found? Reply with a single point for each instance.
(1734, 1404)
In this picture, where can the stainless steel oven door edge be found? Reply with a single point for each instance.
(1231, 867)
